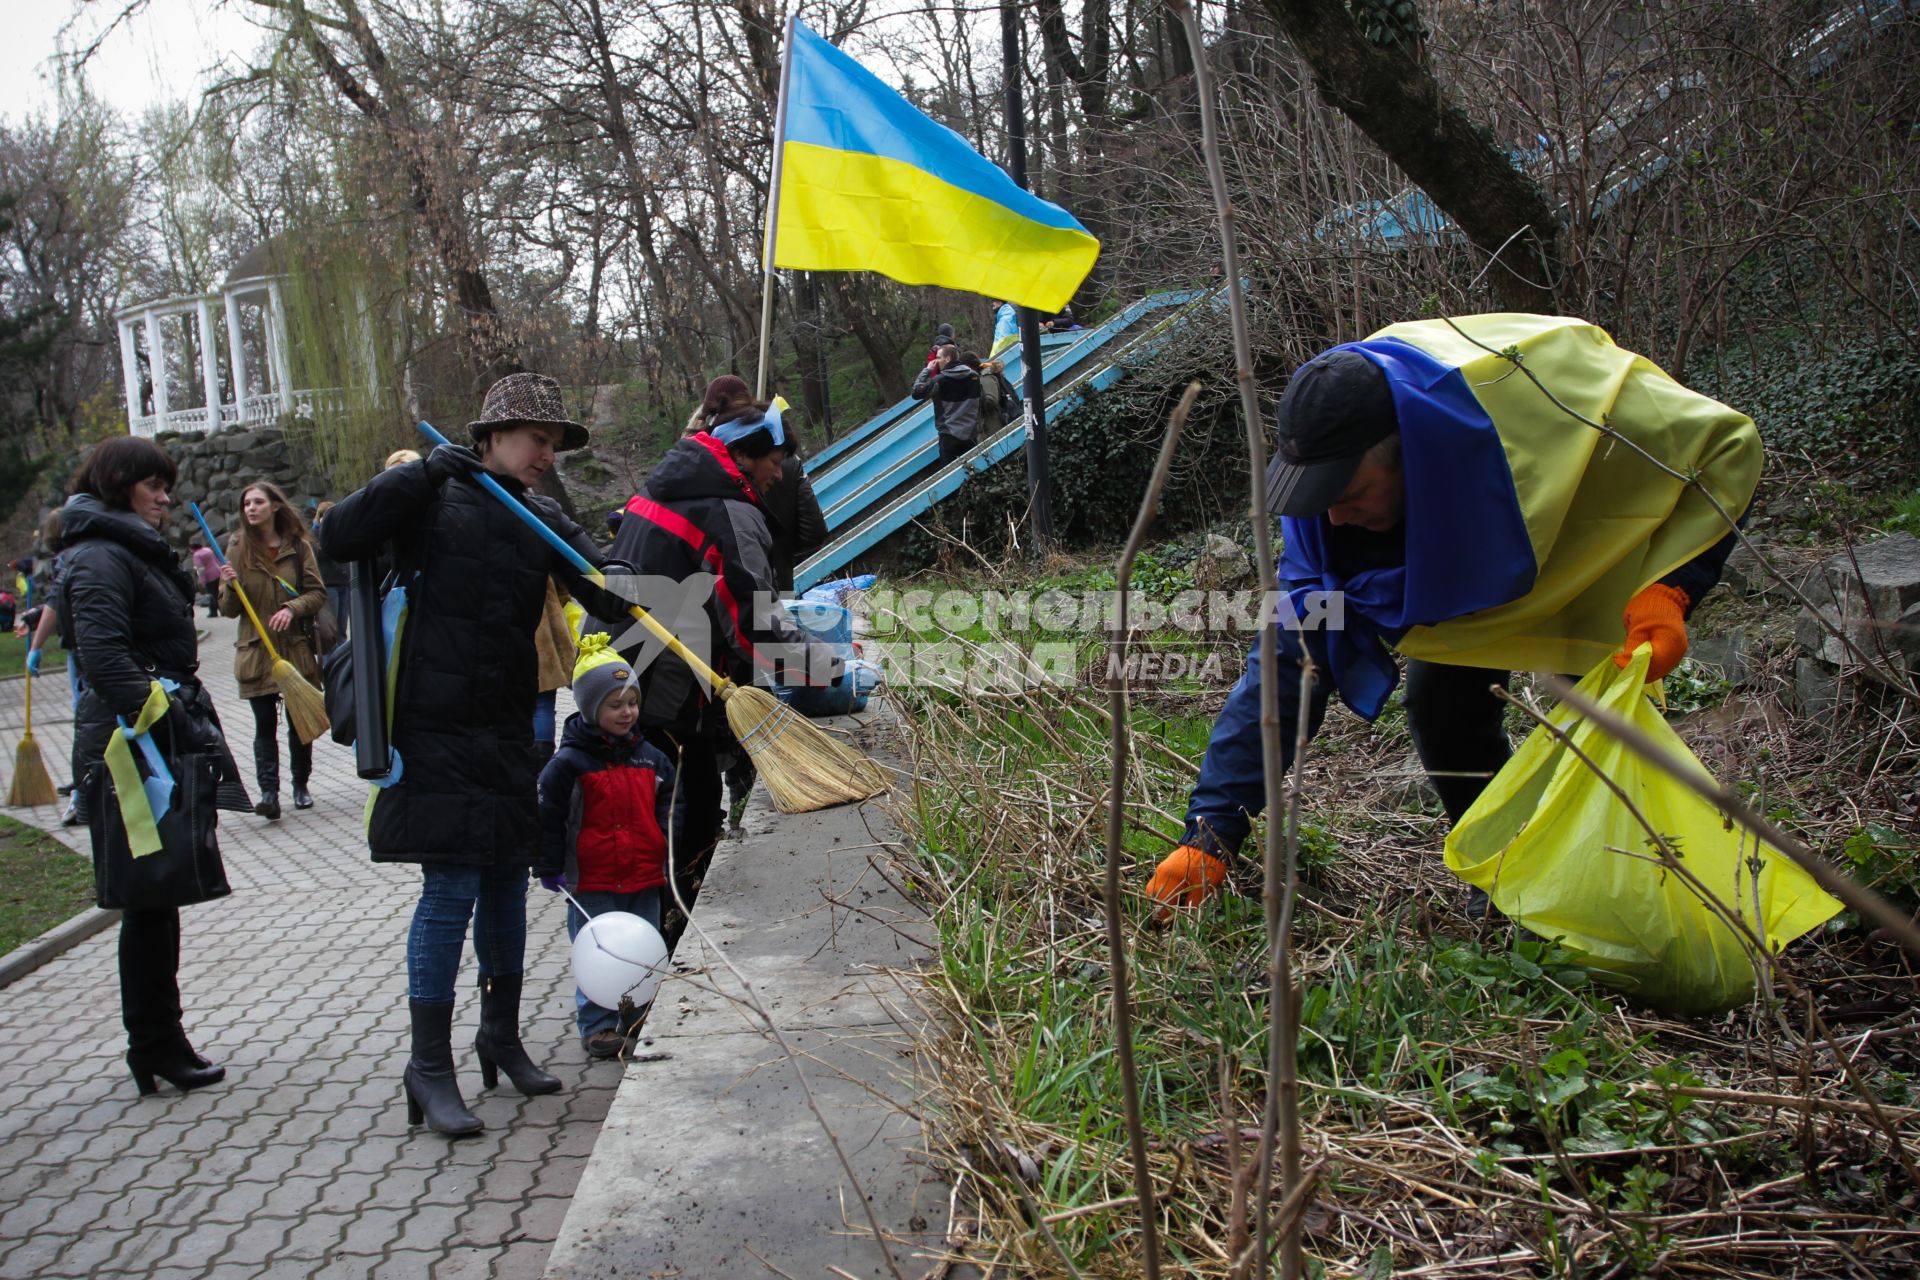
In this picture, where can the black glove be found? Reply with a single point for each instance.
(450, 460)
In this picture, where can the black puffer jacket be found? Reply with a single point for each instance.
(794, 519)
(956, 400)
(126, 614)
(699, 515)
(476, 581)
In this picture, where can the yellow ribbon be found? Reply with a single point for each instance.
(136, 810)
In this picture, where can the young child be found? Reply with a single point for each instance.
(606, 807)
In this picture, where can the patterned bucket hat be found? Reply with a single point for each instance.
(522, 398)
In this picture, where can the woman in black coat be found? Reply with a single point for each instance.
(127, 612)
(463, 805)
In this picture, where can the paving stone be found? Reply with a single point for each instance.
(466, 1262)
(146, 1249)
(256, 1241)
(540, 1218)
(200, 1246)
(311, 1237)
(522, 1260)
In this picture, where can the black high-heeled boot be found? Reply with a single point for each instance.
(177, 1064)
(432, 1093)
(498, 1043)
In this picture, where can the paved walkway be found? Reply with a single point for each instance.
(301, 1163)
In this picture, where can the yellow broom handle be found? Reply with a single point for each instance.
(248, 606)
(719, 682)
(213, 545)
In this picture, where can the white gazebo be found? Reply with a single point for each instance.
(254, 282)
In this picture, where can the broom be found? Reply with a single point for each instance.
(804, 767)
(32, 784)
(306, 709)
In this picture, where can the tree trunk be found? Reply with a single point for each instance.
(882, 355)
(1396, 102)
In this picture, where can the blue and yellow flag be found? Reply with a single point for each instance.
(1527, 530)
(868, 183)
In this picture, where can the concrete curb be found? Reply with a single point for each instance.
(57, 941)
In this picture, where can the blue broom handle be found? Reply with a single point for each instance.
(532, 521)
(213, 543)
(580, 562)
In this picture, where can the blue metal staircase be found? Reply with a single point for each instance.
(876, 479)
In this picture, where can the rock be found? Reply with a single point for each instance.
(1744, 575)
(1222, 564)
(238, 441)
(1869, 602)
(1816, 687)
(1729, 654)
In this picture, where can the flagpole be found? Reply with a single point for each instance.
(761, 374)
(1039, 481)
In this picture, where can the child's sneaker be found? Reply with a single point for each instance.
(604, 1045)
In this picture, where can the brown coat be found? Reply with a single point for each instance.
(251, 665)
(553, 640)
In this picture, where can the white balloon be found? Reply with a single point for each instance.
(618, 954)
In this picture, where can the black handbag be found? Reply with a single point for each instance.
(186, 868)
(336, 689)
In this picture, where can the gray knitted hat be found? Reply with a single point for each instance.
(599, 672)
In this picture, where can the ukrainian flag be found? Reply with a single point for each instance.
(868, 183)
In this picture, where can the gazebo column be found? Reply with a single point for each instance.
(209, 363)
(157, 367)
(130, 373)
(236, 358)
(278, 343)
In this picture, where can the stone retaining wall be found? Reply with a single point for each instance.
(216, 468)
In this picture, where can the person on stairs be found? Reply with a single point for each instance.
(464, 679)
(271, 559)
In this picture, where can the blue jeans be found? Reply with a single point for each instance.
(338, 597)
(496, 899)
(543, 716)
(646, 903)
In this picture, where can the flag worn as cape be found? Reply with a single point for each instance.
(1527, 530)
(868, 183)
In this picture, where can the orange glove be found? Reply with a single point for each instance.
(1657, 616)
(1185, 879)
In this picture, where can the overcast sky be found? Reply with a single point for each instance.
(162, 53)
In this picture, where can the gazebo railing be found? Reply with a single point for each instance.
(254, 411)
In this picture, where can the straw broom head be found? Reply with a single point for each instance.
(306, 709)
(805, 767)
(32, 785)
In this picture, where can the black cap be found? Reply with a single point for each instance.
(1337, 407)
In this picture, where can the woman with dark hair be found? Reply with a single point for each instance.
(127, 615)
(702, 513)
(794, 519)
(271, 558)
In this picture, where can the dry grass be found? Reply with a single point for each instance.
(1474, 1107)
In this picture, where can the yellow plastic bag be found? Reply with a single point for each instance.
(1556, 850)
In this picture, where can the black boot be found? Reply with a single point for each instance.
(432, 1092)
(150, 1004)
(266, 769)
(177, 1064)
(302, 753)
(498, 1044)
